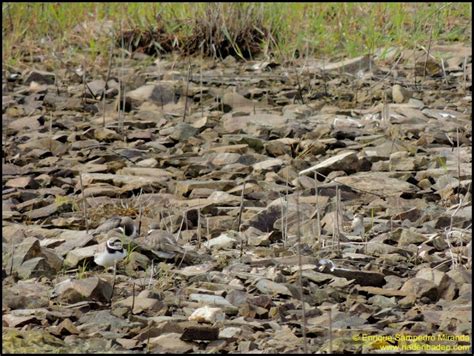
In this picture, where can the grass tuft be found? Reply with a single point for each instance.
(285, 30)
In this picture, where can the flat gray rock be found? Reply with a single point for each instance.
(346, 161)
(379, 183)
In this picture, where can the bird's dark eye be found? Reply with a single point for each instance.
(117, 244)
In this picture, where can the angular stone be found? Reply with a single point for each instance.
(183, 187)
(29, 248)
(210, 299)
(207, 314)
(149, 172)
(239, 123)
(268, 287)
(42, 212)
(121, 180)
(377, 182)
(399, 161)
(169, 343)
(268, 165)
(141, 304)
(73, 239)
(40, 77)
(22, 182)
(252, 142)
(439, 278)
(400, 94)
(277, 148)
(66, 327)
(265, 219)
(242, 148)
(97, 87)
(183, 131)
(36, 267)
(77, 255)
(351, 65)
(230, 333)
(14, 321)
(200, 332)
(421, 288)
(236, 102)
(409, 236)
(345, 161)
(52, 259)
(148, 163)
(382, 301)
(92, 288)
(223, 241)
(32, 123)
(105, 134)
(26, 295)
(159, 94)
(386, 291)
(222, 159)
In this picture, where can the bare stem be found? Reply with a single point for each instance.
(51, 133)
(186, 94)
(152, 268)
(318, 220)
(239, 221)
(84, 205)
(444, 71)
(200, 87)
(199, 228)
(105, 85)
(133, 298)
(458, 156)
(140, 219)
(427, 53)
(300, 91)
(286, 209)
(300, 275)
(122, 84)
(338, 204)
(465, 72)
(330, 331)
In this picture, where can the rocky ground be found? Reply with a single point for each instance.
(315, 206)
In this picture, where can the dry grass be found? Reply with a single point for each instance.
(286, 30)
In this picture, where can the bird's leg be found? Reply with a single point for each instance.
(113, 281)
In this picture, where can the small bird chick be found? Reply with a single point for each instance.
(326, 265)
(358, 225)
(123, 224)
(128, 227)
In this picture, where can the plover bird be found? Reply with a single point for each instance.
(128, 227)
(153, 226)
(125, 225)
(113, 253)
(358, 225)
(325, 265)
(164, 245)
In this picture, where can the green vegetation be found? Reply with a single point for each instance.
(64, 201)
(82, 270)
(286, 30)
(130, 249)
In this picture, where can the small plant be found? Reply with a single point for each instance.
(130, 249)
(372, 217)
(60, 200)
(82, 270)
(164, 277)
(442, 163)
